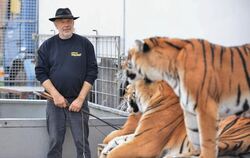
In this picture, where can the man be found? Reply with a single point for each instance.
(67, 68)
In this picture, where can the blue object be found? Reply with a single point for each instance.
(18, 31)
(29, 68)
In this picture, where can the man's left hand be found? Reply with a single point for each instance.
(76, 105)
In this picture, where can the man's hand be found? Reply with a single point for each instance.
(76, 105)
(60, 101)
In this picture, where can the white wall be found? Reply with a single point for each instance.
(224, 22)
(102, 15)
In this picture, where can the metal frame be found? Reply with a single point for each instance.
(19, 41)
(106, 88)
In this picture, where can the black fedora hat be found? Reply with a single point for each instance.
(63, 13)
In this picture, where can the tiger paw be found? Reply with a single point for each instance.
(186, 155)
(103, 155)
(181, 156)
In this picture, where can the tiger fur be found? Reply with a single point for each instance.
(212, 81)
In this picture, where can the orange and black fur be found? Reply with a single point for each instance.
(233, 131)
(161, 117)
(131, 124)
(160, 131)
(211, 81)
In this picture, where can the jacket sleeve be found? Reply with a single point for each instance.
(42, 64)
(92, 69)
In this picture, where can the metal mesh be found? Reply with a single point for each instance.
(18, 21)
(19, 41)
(106, 88)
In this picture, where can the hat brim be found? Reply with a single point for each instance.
(63, 17)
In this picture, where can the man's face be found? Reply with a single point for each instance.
(65, 27)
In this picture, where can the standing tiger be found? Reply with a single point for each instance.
(211, 80)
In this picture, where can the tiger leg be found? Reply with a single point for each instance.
(149, 139)
(191, 126)
(192, 133)
(128, 128)
(177, 144)
(136, 148)
(208, 120)
(114, 143)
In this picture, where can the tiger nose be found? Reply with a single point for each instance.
(130, 75)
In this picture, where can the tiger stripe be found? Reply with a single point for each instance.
(211, 80)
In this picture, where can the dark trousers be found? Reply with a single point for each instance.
(56, 126)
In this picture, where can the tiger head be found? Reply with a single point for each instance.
(142, 59)
(130, 100)
(127, 90)
(140, 94)
(129, 70)
(139, 90)
(149, 94)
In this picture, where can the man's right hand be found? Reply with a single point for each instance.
(59, 101)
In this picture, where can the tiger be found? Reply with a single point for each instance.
(161, 117)
(174, 140)
(133, 117)
(212, 82)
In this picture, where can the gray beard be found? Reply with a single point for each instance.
(65, 37)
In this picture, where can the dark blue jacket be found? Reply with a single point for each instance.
(67, 63)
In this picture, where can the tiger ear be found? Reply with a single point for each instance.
(142, 47)
(139, 45)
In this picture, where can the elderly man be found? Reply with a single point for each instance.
(67, 68)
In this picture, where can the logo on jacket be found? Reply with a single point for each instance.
(75, 54)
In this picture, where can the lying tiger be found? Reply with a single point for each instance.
(211, 80)
(161, 117)
(160, 130)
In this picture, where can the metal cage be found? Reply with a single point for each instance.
(19, 41)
